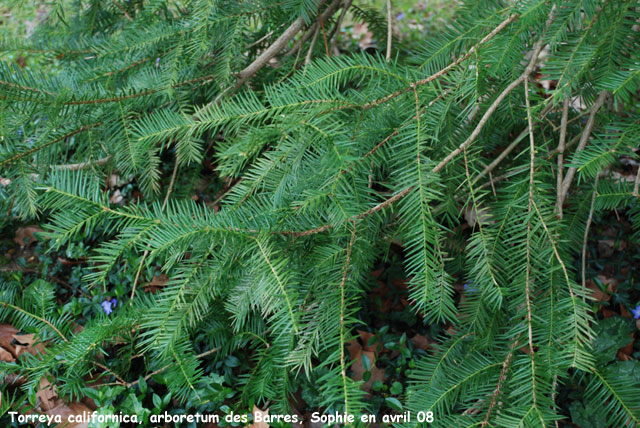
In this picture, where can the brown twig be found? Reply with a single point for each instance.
(586, 234)
(123, 10)
(226, 192)
(493, 107)
(345, 272)
(636, 184)
(586, 133)
(336, 28)
(324, 36)
(389, 31)
(171, 183)
(501, 379)
(108, 370)
(307, 58)
(82, 165)
(25, 88)
(301, 41)
(561, 147)
(532, 157)
(279, 44)
(160, 370)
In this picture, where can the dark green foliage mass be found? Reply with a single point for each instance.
(514, 120)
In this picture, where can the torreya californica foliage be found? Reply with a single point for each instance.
(328, 160)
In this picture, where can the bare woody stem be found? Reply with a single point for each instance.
(501, 379)
(586, 233)
(280, 44)
(275, 48)
(82, 165)
(532, 157)
(389, 31)
(636, 184)
(492, 108)
(561, 147)
(336, 28)
(586, 133)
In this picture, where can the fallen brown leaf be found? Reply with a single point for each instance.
(596, 293)
(6, 355)
(156, 283)
(365, 336)
(27, 343)
(357, 369)
(25, 235)
(420, 342)
(47, 395)
(263, 413)
(67, 410)
(6, 335)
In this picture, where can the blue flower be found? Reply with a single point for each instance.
(157, 61)
(400, 16)
(636, 312)
(468, 288)
(108, 305)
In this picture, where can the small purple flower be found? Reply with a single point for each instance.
(157, 61)
(108, 305)
(636, 312)
(468, 288)
(400, 16)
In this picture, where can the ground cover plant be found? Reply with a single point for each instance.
(297, 206)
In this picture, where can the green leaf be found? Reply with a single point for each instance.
(393, 403)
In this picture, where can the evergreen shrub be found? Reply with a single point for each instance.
(485, 152)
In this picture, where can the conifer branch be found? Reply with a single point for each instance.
(503, 154)
(445, 70)
(50, 143)
(450, 156)
(503, 376)
(280, 43)
(34, 316)
(492, 108)
(146, 252)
